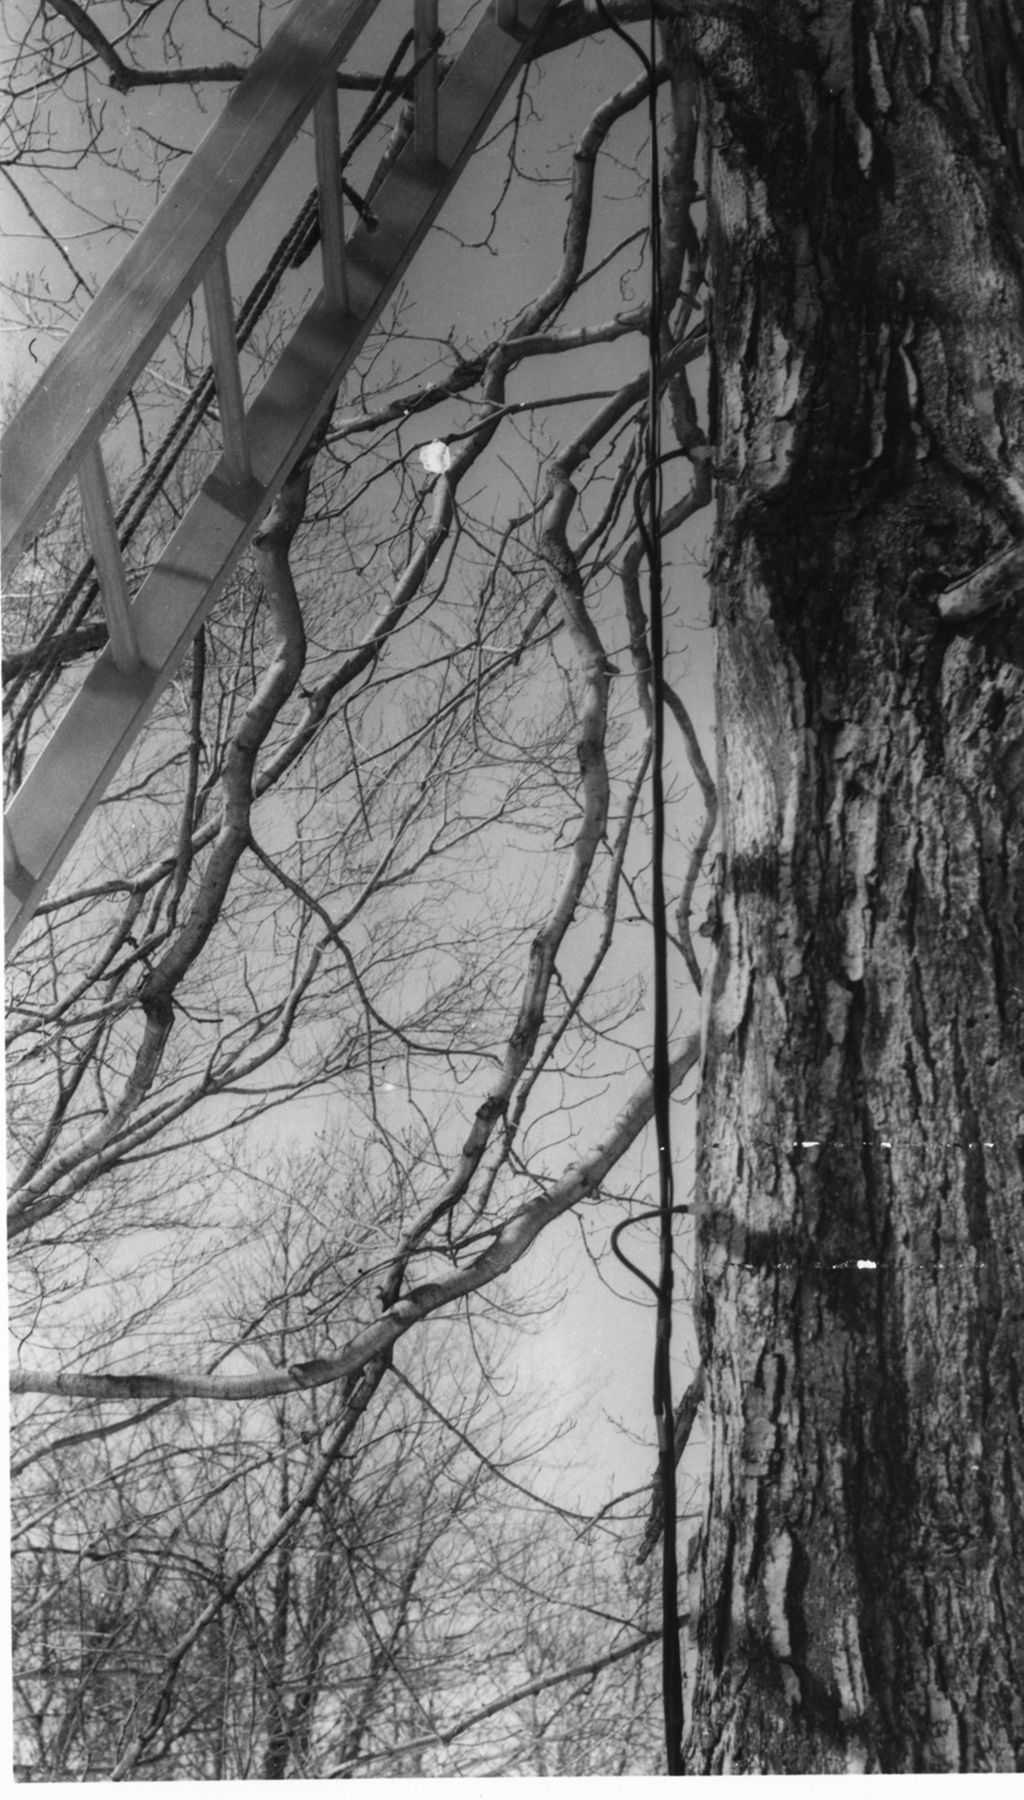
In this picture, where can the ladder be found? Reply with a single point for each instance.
(56, 437)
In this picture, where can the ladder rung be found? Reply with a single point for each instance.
(101, 526)
(425, 97)
(220, 318)
(327, 138)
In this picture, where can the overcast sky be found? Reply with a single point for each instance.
(592, 1359)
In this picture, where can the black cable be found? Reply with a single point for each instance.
(648, 496)
(653, 1212)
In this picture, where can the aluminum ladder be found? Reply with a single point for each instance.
(56, 437)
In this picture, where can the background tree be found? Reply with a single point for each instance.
(423, 1611)
(388, 847)
(860, 227)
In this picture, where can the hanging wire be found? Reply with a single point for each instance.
(648, 500)
(652, 1212)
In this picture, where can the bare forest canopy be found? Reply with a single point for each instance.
(415, 949)
(342, 1004)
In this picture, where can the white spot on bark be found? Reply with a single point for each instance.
(729, 985)
(856, 818)
(1015, 489)
(848, 1669)
(837, 1012)
(785, 373)
(879, 88)
(865, 147)
(776, 1580)
(879, 385)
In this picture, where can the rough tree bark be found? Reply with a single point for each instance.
(862, 1229)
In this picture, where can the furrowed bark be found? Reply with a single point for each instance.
(861, 1159)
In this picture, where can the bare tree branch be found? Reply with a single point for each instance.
(511, 1241)
(446, 1734)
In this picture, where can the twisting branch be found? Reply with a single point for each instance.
(53, 238)
(356, 1402)
(447, 1734)
(511, 1241)
(412, 704)
(48, 1190)
(629, 576)
(87, 28)
(156, 994)
(683, 1422)
(596, 672)
(124, 76)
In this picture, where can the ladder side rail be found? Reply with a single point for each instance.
(96, 367)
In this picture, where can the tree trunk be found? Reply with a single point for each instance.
(860, 1188)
